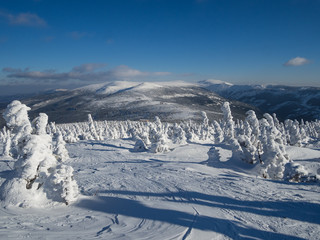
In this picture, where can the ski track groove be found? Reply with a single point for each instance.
(105, 229)
(188, 231)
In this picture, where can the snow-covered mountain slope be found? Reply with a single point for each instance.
(141, 195)
(171, 101)
(286, 102)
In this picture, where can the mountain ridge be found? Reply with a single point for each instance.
(172, 101)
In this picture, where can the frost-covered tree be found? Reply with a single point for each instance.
(36, 170)
(254, 124)
(178, 135)
(228, 130)
(274, 157)
(204, 133)
(158, 139)
(249, 139)
(248, 151)
(92, 135)
(59, 147)
(293, 132)
(39, 124)
(228, 123)
(218, 135)
(6, 141)
(52, 129)
(16, 117)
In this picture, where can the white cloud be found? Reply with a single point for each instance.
(297, 61)
(24, 19)
(125, 72)
(85, 72)
(88, 67)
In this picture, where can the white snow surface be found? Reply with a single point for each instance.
(130, 195)
(118, 86)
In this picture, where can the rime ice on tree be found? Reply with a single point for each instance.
(37, 175)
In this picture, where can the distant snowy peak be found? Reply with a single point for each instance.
(214, 82)
(108, 87)
(121, 86)
(285, 101)
(214, 85)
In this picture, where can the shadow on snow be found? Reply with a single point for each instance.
(301, 211)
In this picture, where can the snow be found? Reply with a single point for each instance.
(118, 86)
(176, 195)
(214, 81)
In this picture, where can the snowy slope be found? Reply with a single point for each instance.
(286, 102)
(171, 101)
(130, 195)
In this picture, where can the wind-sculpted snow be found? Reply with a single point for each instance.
(131, 195)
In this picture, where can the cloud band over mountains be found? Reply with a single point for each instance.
(90, 72)
(23, 19)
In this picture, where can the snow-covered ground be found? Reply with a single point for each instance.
(130, 195)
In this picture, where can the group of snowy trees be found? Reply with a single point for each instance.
(40, 153)
(39, 174)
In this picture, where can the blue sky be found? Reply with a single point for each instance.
(53, 43)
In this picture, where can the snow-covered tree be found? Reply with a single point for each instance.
(16, 117)
(228, 123)
(158, 139)
(218, 135)
(32, 182)
(178, 135)
(204, 132)
(228, 130)
(293, 131)
(274, 157)
(92, 135)
(59, 147)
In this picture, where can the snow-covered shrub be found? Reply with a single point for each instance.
(295, 172)
(140, 145)
(70, 136)
(61, 185)
(214, 156)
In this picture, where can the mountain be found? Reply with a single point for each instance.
(285, 101)
(171, 101)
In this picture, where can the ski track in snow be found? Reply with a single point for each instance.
(130, 195)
